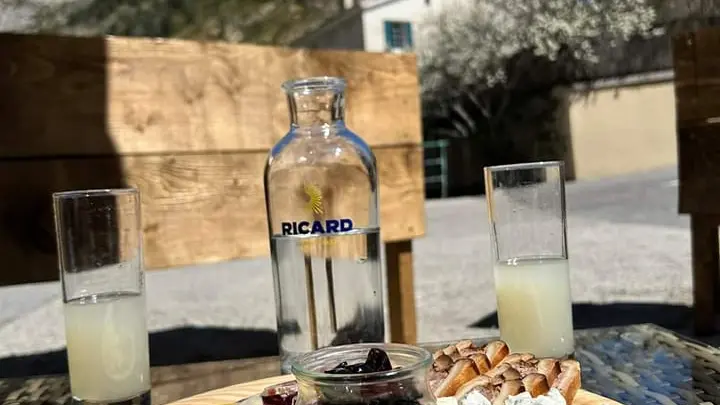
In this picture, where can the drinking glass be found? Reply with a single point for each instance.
(526, 210)
(100, 258)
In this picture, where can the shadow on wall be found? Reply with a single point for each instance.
(55, 137)
(176, 346)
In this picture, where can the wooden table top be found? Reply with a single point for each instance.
(234, 393)
(638, 364)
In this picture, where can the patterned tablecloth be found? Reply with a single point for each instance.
(634, 365)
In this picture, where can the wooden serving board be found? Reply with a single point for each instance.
(230, 395)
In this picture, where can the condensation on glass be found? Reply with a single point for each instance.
(99, 249)
(527, 218)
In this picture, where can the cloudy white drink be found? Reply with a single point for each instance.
(100, 258)
(528, 227)
(107, 343)
(534, 306)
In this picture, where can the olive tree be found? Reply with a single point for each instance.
(488, 67)
(473, 45)
(259, 21)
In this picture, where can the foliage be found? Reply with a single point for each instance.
(489, 71)
(259, 21)
(472, 46)
(677, 9)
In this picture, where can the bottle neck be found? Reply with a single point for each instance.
(316, 108)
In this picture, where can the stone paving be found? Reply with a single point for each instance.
(626, 242)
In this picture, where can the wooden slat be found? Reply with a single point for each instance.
(685, 76)
(707, 77)
(233, 393)
(699, 169)
(697, 93)
(189, 124)
(697, 76)
(197, 208)
(704, 237)
(104, 96)
(401, 292)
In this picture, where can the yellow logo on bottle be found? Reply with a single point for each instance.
(314, 199)
(314, 206)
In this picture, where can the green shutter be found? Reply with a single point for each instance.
(388, 35)
(408, 34)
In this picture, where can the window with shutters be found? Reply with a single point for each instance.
(398, 36)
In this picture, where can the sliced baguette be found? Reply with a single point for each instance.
(568, 382)
(496, 351)
(508, 388)
(495, 373)
(550, 368)
(478, 383)
(461, 372)
(518, 357)
(536, 384)
(481, 361)
(498, 370)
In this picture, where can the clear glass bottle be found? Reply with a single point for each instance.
(405, 384)
(322, 208)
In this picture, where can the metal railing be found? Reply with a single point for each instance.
(436, 167)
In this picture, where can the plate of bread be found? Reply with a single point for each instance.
(466, 374)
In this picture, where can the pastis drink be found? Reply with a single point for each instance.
(100, 259)
(526, 210)
(533, 294)
(107, 343)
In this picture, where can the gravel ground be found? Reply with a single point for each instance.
(626, 242)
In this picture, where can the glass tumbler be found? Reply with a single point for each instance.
(100, 258)
(526, 210)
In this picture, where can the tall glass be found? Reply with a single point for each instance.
(526, 210)
(100, 258)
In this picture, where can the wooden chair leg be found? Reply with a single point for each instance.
(705, 267)
(401, 292)
(717, 291)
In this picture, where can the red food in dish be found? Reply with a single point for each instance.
(280, 394)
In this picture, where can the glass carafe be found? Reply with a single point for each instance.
(405, 384)
(322, 207)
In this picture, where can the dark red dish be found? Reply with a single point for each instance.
(280, 394)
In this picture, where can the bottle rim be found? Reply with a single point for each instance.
(305, 366)
(313, 84)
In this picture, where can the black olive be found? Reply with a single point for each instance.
(377, 360)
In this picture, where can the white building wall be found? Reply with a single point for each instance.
(376, 12)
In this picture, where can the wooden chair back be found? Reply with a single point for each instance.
(190, 125)
(697, 94)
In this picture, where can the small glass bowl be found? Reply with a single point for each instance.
(405, 384)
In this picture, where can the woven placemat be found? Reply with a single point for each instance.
(35, 391)
(647, 365)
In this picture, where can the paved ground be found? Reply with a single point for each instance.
(627, 244)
